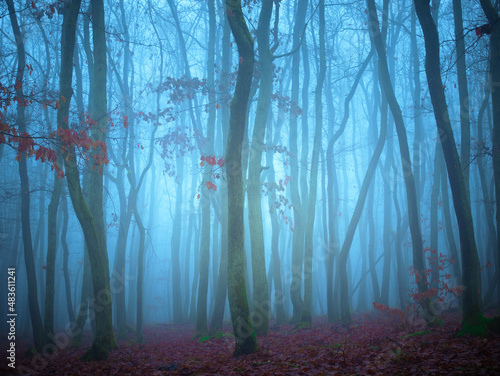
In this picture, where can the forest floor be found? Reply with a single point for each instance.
(374, 344)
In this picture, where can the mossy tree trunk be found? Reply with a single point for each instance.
(298, 214)
(91, 217)
(244, 333)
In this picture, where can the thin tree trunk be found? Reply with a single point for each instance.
(64, 244)
(260, 312)
(36, 320)
(306, 318)
(298, 214)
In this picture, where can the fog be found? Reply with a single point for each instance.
(139, 185)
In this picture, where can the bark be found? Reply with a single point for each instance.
(298, 214)
(463, 92)
(260, 312)
(418, 161)
(400, 266)
(62, 116)
(452, 246)
(52, 247)
(242, 326)
(216, 323)
(36, 320)
(436, 183)
(92, 225)
(86, 308)
(140, 275)
(493, 18)
(489, 207)
(64, 244)
(175, 245)
(386, 169)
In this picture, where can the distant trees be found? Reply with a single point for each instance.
(472, 306)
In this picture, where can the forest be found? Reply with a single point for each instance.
(245, 187)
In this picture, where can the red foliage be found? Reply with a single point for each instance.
(368, 346)
(286, 104)
(211, 185)
(181, 89)
(25, 144)
(177, 142)
(392, 313)
(213, 161)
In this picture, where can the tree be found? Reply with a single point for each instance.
(244, 333)
(493, 17)
(90, 217)
(216, 323)
(306, 318)
(298, 233)
(411, 195)
(260, 298)
(472, 306)
(36, 320)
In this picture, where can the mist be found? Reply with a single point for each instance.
(255, 175)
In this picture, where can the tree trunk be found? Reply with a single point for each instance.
(36, 320)
(436, 183)
(52, 246)
(493, 17)
(306, 319)
(175, 245)
(260, 312)
(298, 214)
(244, 333)
(472, 309)
(411, 195)
(463, 93)
(92, 225)
(64, 244)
